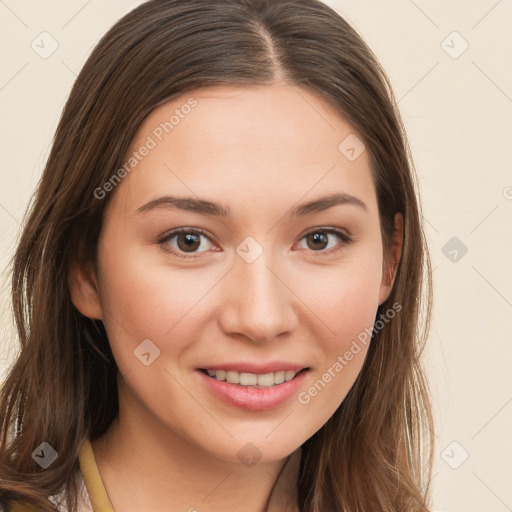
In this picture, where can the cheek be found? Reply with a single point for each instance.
(351, 308)
(346, 303)
(345, 300)
(143, 300)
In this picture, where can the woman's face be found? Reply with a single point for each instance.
(279, 268)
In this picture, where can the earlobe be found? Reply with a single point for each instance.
(83, 287)
(392, 259)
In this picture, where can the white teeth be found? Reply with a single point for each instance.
(279, 377)
(289, 375)
(264, 380)
(248, 379)
(232, 377)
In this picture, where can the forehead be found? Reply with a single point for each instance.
(254, 143)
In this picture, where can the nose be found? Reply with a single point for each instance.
(257, 301)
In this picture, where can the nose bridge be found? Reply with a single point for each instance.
(257, 304)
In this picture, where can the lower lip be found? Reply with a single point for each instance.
(253, 399)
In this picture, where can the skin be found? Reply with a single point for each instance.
(259, 151)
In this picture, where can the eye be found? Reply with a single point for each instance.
(186, 241)
(324, 240)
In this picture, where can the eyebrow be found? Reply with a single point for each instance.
(204, 207)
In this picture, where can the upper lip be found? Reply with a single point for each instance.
(258, 368)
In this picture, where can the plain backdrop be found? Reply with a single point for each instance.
(449, 63)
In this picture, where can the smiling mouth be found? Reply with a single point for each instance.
(254, 380)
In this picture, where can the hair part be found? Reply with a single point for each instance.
(375, 452)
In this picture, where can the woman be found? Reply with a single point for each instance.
(219, 286)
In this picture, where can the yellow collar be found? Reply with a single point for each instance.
(92, 479)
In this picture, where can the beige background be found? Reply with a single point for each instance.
(457, 107)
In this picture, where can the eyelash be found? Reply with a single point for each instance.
(345, 240)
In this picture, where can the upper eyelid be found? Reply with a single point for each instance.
(329, 229)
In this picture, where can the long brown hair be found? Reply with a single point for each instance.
(375, 452)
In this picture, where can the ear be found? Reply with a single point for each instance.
(83, 287)
(392, 259)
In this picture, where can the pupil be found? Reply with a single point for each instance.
(191, 242)
(319, 237)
